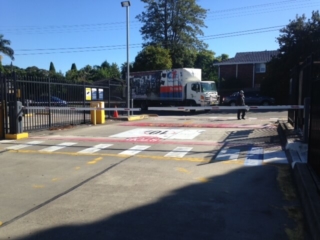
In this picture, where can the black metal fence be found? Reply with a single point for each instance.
(314, 135)
(47, 92)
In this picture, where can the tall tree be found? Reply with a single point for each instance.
(173, 24)
(4, 43)
(52, 68)
(298, 40)
(204, 61)
(74, 67)
(152, 58)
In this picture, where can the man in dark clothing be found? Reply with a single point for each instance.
(241, 102)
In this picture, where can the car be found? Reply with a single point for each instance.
(44, 101)
(251, 98)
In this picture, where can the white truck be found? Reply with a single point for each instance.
(175, 87)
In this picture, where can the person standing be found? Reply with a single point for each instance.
(241, 102)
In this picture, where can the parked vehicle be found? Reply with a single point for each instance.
(176, 87)
(251, 98)
(54, 101)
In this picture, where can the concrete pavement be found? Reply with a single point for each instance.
(204, 190)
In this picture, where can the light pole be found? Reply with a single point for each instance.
(127, 5)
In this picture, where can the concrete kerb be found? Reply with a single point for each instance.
(133, 117)
(306, 181)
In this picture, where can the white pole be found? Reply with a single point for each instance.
(128, 64)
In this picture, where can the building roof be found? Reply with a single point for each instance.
(249, 57)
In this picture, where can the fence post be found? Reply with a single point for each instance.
(306, 114)
(84, 101)
(49, 99)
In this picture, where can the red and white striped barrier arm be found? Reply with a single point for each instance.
(81, 108)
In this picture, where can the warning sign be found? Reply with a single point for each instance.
(88, 94)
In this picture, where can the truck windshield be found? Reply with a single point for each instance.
(208, 87)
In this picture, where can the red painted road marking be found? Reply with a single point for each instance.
(198, 125)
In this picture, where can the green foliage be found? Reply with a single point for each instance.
(299, 39)
(204, 61)
(52, 68)
(4, 43)
(174, 25)
(74, 67)
(124, 70)
(152, 58)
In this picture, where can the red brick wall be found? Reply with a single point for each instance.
(245, 73)
(228, 71)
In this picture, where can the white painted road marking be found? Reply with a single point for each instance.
(95, 148)
(254, 157)
(6, 141)
(58, 147)
(277, 156)
(20, 146)
(228, 154)
(176, 133)
(178, 152)
(134, 150)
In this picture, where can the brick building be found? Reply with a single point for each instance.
(249, 67)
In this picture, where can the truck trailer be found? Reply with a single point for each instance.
(175, 87)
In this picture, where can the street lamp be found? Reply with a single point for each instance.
(127, 5)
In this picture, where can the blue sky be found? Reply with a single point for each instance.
(90, 32)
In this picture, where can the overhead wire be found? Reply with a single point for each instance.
(137, 24)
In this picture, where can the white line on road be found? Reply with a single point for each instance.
(228, 154)
(277, 156)
(254, 157)
(134, 150)
(58, 147)
(20, 146)
(95, 148)
(178, 152)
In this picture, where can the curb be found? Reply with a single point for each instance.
(132, 118)
(306, 181)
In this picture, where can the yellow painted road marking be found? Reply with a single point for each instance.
(0, 223)
(77, 168)
(95, 160)
(203, 180)
(200, 160)
(55, 179)
(233, 162)
(183, 170)
(38, 186)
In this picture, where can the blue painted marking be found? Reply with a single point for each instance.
(254, 157)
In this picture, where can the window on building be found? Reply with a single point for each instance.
(260, 67)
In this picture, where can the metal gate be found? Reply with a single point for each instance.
(43, 93)
(314, 135)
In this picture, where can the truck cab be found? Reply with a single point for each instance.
(201, 93)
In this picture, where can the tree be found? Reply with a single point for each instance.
(4, 43)
(174, 25)
(123, 73)
(204, 61)
(298, 40)
(74, 67)
(52, 68)
(152, 58)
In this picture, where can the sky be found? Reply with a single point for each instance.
(87, 32)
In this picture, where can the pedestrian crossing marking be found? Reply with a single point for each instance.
(95, 148)
(254, 157)
(20, 146)
(228, 154)
(179, 152)
(134, 150)
(275, 157)
(58, 147)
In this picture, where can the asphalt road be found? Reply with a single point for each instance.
(204, 176)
